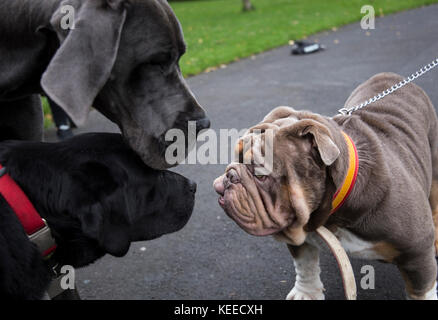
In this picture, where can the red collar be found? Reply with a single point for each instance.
(35, 227)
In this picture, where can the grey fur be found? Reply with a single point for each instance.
(122, 58)
(397, 143)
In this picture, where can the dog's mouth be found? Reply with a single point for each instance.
(241, 200)
(221, 201)
(222, 187)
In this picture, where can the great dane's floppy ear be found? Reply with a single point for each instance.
(327, 149)
(85, 58)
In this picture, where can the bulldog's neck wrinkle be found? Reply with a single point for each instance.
(340, 170)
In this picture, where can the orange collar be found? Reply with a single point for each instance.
(350, 179)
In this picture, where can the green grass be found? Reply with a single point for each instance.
(48, 120)
(218, 32)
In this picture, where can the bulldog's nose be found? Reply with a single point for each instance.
(192, 186)
(219, 186)
(202, 124)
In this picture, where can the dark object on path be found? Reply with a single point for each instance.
(64, 125)
(64, 133)
(97, 197)
(303, 47)
(130, 76)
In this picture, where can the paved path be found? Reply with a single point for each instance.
(212, 258)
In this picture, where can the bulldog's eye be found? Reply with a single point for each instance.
(260, 177)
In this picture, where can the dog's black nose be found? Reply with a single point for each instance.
(202, 124)
(192, 186)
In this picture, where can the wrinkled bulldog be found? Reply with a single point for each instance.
(371, 178)
(281, 201)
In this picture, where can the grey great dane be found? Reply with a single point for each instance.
(121, 58)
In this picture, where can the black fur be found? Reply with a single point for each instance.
(97, 197)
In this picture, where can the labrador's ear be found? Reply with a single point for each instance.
(109, 228)
(321, 138)
(102, 211)
(85, 58)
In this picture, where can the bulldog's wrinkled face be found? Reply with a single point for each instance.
(281, 201)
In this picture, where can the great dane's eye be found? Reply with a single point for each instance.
(160, 59)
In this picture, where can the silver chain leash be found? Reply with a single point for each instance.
(348, 111)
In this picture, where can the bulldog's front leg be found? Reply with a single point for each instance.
(308, 285)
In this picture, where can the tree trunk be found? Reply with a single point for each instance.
(247, 5)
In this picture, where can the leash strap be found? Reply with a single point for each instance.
(55, 291)
(348, 111)
(344, 264)
(36, 227)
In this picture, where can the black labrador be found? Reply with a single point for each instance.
(97, 197)
(121, 56)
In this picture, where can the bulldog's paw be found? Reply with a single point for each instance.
(308, 294)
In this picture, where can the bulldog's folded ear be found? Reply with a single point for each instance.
(85, 58)
(321, 136)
